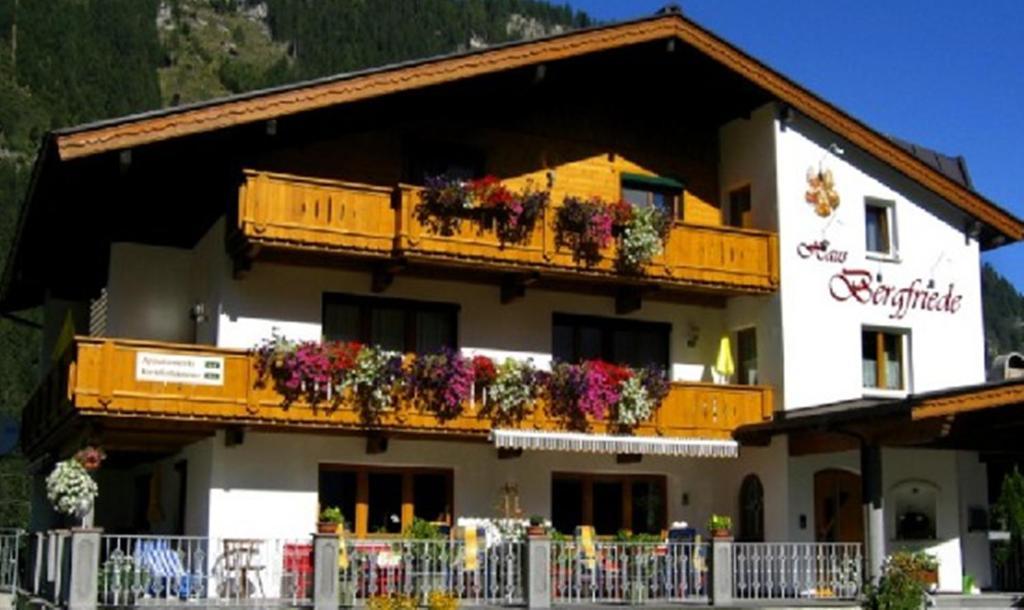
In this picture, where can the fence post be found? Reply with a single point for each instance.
(538, 571)
(325, 571)
(721, 571)
(83, 577)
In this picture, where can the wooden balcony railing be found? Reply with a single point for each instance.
(108, 377)
(359, 219)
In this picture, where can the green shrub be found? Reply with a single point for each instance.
(901, 586)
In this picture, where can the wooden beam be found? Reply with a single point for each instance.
(513, 286)
(506, 453)
(376, 444)
(628, 299)
(383, 275)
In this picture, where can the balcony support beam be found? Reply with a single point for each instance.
(513, 286)
(628, 299)
(383, 275)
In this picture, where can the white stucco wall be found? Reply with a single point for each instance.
(289, 299)
(148, 293)
(959, 479)
(822, 338)
(267, 486)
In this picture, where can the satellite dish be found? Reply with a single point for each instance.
(8, 434)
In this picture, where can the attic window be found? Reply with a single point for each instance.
(665, 193)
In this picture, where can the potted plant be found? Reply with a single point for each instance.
(536, 527)
(720, 526)
(330, 519)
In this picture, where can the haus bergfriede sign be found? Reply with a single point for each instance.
(859, 286)
(176, 368)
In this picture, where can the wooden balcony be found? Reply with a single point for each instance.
(282, 211)
(100, 378)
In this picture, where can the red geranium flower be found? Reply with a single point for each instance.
(483, 370)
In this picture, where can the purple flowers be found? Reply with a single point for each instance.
(585, 227)
(442, 382)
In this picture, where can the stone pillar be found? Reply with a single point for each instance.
(721, 571)
(538, 571)
(874, 515)
(84, 564)
(325, 571)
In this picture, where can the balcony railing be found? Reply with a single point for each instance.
(10, 542)
(633, 573)
(797, 570)
(376, 221)
(106, 377)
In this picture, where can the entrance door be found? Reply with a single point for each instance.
(838, 510)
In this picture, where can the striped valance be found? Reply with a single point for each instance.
(607, 443)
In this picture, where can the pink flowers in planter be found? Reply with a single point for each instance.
(444, 382)
(601, 390)
(445, 202)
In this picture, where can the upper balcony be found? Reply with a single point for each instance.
(177, 390)
(284, 212)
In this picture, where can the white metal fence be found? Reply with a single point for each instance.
(629, 572)
(154, 570)
(490, 574)
(47, 574)
(10, 543)
(796, 570)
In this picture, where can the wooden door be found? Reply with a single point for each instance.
(838, 509)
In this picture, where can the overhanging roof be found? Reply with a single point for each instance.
(147, 128)
(973, 413)
(72, 147)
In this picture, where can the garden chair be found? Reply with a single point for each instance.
(168, 576)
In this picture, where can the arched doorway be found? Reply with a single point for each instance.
(838, 508)
(751, 509)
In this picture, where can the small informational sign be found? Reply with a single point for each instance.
(176, 368)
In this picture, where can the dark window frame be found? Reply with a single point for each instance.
(741, 218)
(409, 307)
(751, 500)
(887, 227)
(673, 190)
(587, 481)
(877, 337)
(359, 526)
(742, 372)
(607, 326)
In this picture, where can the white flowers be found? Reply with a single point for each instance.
(514, 388)
(70, 488)
(643, 237)
(635, 404)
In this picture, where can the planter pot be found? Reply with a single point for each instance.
(927, 577)
(326, 527)
(536, 530)
(721, 533)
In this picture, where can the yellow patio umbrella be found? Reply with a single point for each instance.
(724, 365)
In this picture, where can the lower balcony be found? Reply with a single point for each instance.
(147, 381)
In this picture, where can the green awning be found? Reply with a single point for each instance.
(658, 181)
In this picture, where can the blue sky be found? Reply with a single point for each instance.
(947, 75)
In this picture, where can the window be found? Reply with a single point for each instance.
(879, 227)
(746, 351)
(385, 500)
(882, 357)
(579, 338)
(394, 324)
(751, 509)
(609, 503)
(738, 213)
(664, 193)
